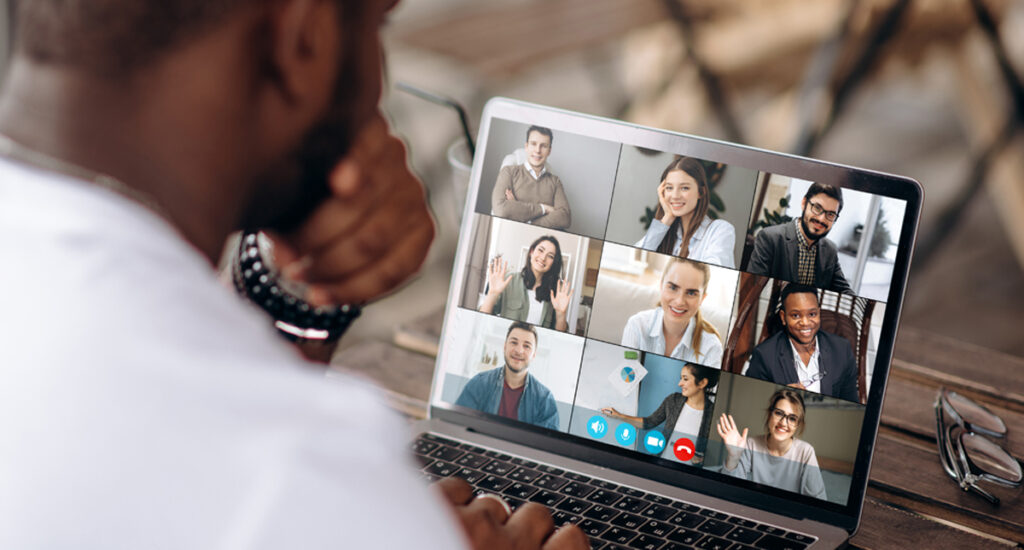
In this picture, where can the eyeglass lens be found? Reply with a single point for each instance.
(780, 415)
(991, 458)
(977, 416)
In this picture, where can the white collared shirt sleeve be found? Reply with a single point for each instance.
(633, 334)
(655, 233)
(719, 243)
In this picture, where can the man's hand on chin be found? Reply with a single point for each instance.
(371, 235)
(489, 525)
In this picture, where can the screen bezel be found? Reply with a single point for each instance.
(720, 485)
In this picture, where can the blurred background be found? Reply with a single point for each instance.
(930, 89)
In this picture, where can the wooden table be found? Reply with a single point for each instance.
(911, 503)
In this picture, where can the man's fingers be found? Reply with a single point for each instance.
(494, 506)
(570, 537)
(400, 262)
(456, 490)
(531, 523)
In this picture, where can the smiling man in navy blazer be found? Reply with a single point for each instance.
(804, 356)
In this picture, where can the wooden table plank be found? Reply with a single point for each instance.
(888, 526)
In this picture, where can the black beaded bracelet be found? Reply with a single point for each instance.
(295, 318)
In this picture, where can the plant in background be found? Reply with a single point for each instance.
(714, 171)
(770, 218)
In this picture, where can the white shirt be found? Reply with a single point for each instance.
(805, 372)
(145, 406)
(689, 421)
(712, 242)
(644, 332)
(536, 311)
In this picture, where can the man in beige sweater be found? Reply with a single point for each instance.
(528, 192)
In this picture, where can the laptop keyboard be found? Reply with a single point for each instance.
(612, 516)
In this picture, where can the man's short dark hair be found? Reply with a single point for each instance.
(829, 190)
(116, 37)
(794, 288)
(522, 326)
(542, 131)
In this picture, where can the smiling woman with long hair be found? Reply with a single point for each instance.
(775, 458)
(681, 225)
(676, 327)
(537, 294)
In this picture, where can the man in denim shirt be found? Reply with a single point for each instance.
(510, 391)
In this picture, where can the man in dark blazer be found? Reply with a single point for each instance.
(780, 249)
(802, 355)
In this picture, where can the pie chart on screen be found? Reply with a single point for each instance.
(628, 374)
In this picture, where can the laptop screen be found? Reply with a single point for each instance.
(695, 305)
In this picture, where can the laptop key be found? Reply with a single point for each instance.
(715, 527)
(592, 528)
(656, 528)
(686, 537)
(519, 490)
(632, 504)
(618, 535)
(601, 513)
(439, 439)
(577, 477)
(713, 514)
(686, 519)
(628, 521)
(519, 461)
(658, 499)
(685, 506)
(471, 460)
(441, 469)
(713, 543)
(471, 476)
(602, 484)
(550, 482)
(496, 454)
(744, 535)
(743, 522)
(424, 461)
(561, 517)
(573, 506)
(526, 475)
(577, 489)
(493, 483)
(448, 454)
(498, 467)
(660, 512)
(547, 498)
(550, 470)
(647, 542)
(771, 542)
(424, 446)
(472, 448)
(771, 530)
(602, 496)
(629, 491)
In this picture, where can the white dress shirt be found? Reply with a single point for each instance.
(713, 241)
(805, 372)
(644, 332)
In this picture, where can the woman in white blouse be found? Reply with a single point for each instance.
(681, 226)
(676, 328)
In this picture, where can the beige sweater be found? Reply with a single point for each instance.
(529, 195)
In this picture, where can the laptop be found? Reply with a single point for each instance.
(728, 397)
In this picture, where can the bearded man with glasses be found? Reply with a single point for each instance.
(799, 252)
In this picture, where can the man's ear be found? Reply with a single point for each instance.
(305, 45)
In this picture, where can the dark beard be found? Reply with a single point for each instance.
(807, 230)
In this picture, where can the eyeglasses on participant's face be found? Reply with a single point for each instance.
(817, 210)
(967, 455)
(780, 416)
